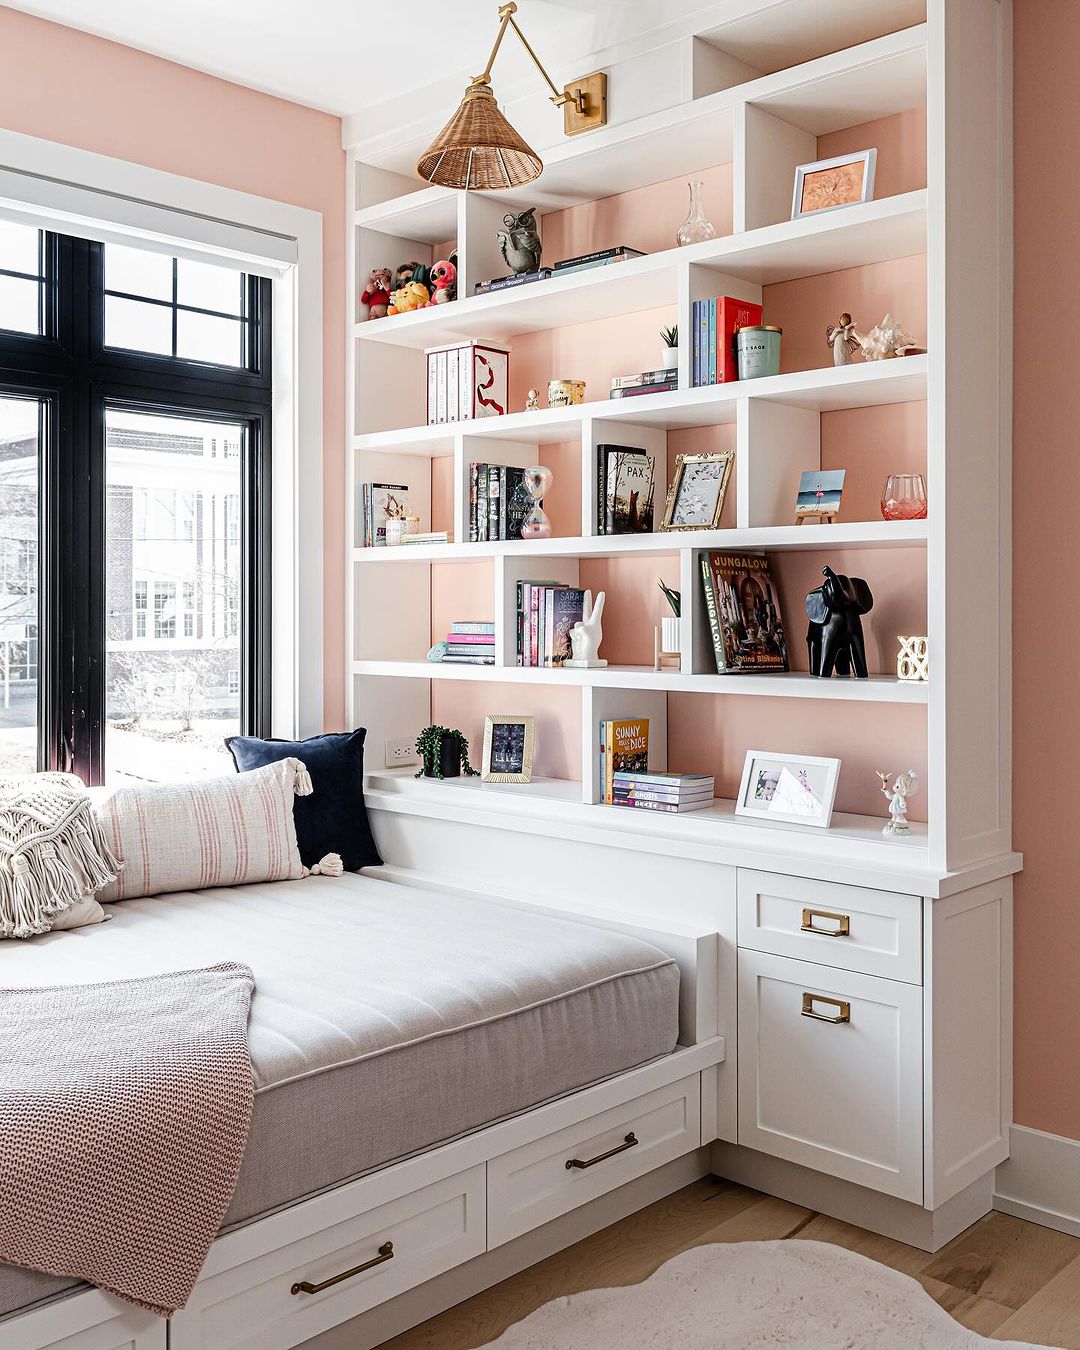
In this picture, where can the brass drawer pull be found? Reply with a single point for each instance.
(843, 1010)
(631, 1141)
(386, 1253)
(842, 921)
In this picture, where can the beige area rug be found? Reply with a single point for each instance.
(752, 1296)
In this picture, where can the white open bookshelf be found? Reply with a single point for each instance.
(763, 127)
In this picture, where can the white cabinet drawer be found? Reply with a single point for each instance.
(830, 1071)
(252, 1306)
(875, 932)
(539, 1181)
(87, 1321)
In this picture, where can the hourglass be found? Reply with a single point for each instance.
(537, 482)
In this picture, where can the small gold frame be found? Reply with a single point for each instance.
(524, 774)
(725, 457)
(586, 110)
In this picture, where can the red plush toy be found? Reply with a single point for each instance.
(377, 294)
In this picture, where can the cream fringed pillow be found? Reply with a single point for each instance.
(53, 856)
(206, 832)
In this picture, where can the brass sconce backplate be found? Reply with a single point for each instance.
(594, 88)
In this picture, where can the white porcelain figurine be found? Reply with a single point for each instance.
(587, 635)
(904, 786)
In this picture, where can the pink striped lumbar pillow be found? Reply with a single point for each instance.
(208, 832)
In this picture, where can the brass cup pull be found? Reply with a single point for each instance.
(843, 1009)
(386, 1253)
(631, 1141)
(842, 921)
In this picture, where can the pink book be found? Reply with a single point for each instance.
(480, 639)
(534, 624)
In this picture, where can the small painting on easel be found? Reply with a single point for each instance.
(819, 496)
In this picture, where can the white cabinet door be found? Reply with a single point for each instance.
(830, 1071)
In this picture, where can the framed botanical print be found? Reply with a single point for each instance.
(698, 488)
(508, 749)
(829, 184)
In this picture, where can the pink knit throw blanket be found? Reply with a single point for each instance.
(124, 1111)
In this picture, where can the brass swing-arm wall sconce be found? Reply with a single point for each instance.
(479, 150)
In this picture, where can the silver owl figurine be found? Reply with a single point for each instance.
(519, 243)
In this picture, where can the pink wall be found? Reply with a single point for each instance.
(1046, 578)
(67, 86)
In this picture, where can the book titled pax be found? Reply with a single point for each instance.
(627, 475)
(743, 609)
(624, 747)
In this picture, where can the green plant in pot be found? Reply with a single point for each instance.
(444, 753)
(670, 339)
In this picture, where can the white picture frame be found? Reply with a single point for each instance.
(803, 172)
(802, 792)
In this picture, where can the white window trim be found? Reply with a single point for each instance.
(78, 192)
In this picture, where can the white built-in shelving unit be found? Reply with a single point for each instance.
(764, 123)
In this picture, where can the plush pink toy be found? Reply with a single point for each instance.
(444, 280)
(377, 294)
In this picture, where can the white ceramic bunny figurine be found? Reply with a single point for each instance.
(586, 635)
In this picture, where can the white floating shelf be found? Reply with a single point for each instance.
(774, 538)
(894, 227)
(827, 389)
(876, 689)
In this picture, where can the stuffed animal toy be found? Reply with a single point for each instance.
(411, 271)
(444, 277)
(377, 294)
(413, 295)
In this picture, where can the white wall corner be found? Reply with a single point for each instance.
(1040, 1181)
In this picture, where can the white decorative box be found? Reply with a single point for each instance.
(466, 380)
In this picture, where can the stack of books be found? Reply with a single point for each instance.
(378, 501)
(648, 382)
(674, 792)
(470, 643)
(498, 502)
(546, 612)
(505, 283)
(624, 490)
(624, 748)
(714, 324)
(603, 257)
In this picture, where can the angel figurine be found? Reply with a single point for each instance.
(905, 785)
(841, 338)
(532, 402)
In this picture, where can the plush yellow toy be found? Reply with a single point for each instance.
(413, 295)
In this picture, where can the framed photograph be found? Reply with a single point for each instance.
(508, 749)
(794, 789)
(831, 183)
(820, 491)
(698, 488)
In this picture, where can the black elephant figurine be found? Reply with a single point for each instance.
(835, 636)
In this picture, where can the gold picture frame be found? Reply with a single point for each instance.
(508, 756)
(702, 510)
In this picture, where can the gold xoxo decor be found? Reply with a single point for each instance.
(911, 662)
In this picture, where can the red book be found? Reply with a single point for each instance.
(731, 315)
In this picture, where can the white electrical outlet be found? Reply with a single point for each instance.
(400, 752)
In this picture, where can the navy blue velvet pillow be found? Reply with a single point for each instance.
(333, 819)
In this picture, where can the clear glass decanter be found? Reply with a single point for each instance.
(697, 226)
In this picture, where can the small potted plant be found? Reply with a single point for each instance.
(671, 635)
(670, 338)
(444, 753)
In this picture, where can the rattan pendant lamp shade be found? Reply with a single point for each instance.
(478, 149)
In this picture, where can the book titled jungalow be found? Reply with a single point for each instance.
(744, 613)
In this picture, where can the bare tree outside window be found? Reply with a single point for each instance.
(173, 588)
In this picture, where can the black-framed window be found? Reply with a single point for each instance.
(134, 490)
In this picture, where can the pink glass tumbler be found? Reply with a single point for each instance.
(904, 497)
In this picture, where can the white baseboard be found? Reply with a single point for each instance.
(417, 1305)
(1040, 1180)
